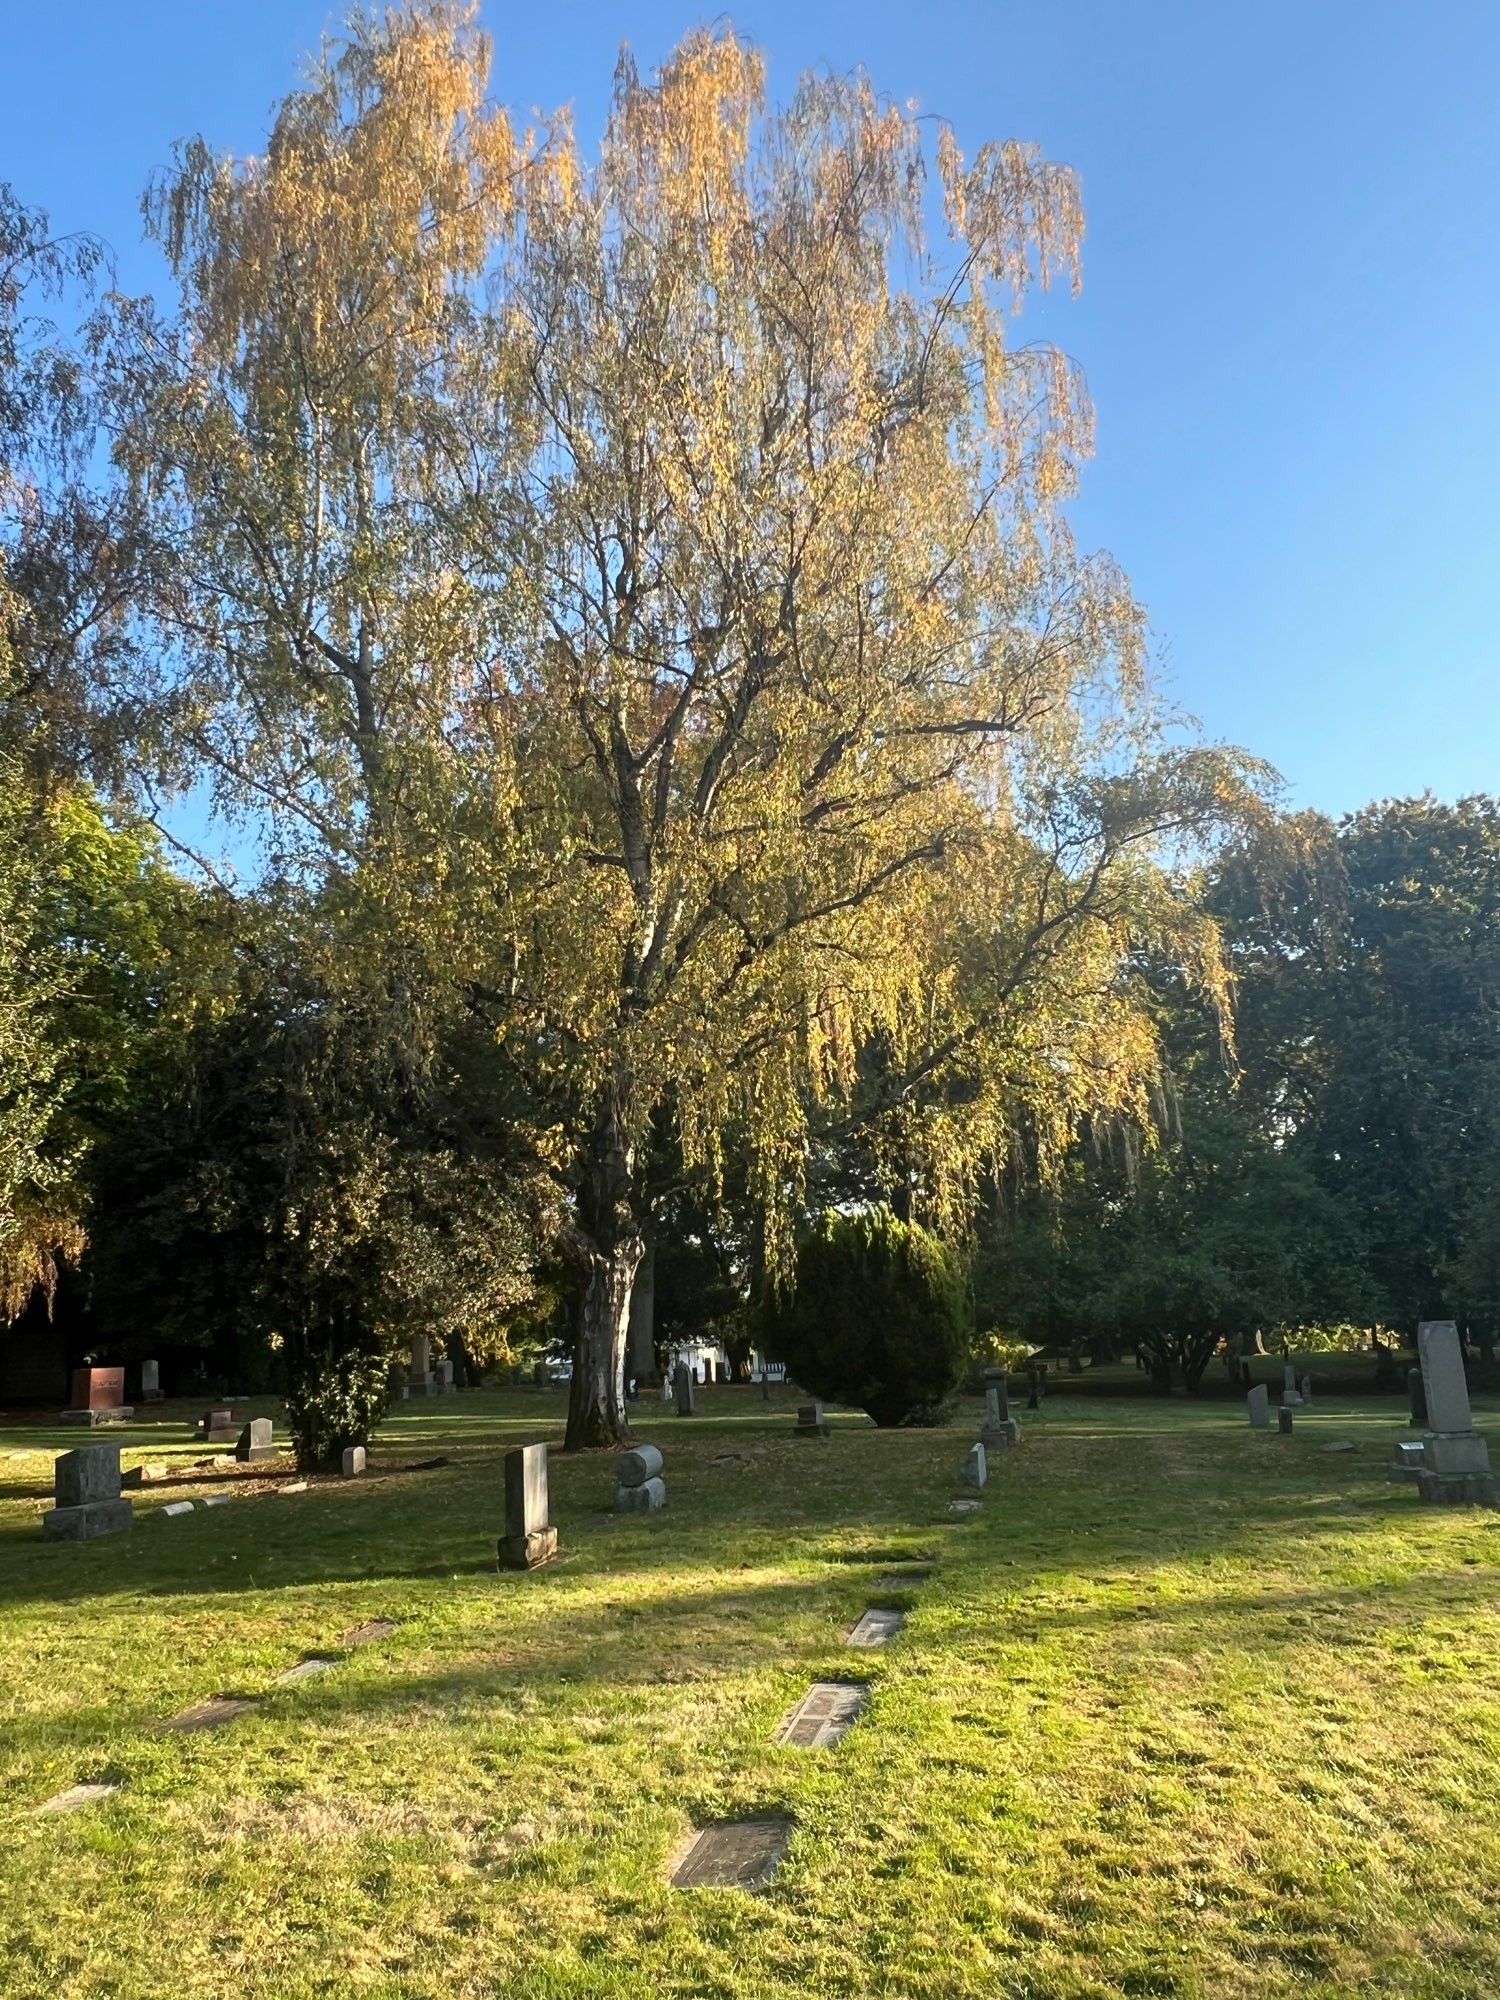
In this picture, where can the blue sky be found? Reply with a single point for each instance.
(1290, 320)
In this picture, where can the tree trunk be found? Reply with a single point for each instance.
(642, 1345)
(605, 1247)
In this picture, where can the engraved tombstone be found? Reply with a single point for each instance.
(1000, 1428)
(1455, 1459)
(86, 1490)
(528, 1539)
(682, 1385)
(1259, 1401)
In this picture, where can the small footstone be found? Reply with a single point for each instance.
(642, 1499)
(741, 1854)
(902, 1579)
(823, 1715)
(176, 1507)
(218, 1499)
(876, 1628)
(293, 1486)
(213, 1713)
(76, 1797)
(1284, 1421)
(303, 1671)
(369, 1632)
(962, 1506)
(1341, 1444)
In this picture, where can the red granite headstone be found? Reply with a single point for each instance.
(98, 1388)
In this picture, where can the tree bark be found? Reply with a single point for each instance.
(605, 1247)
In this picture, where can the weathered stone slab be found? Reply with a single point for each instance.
(76, 1797)
(86, 1523)
(682, 1388)
(218, 1499)
(151, 1381)
(962, 1506)
(634, 1468)
(824, 1714)
(175, 1507)
(292, 1486)
(90, 1473)
(1406, 1462)
(641, 1499)
(974, 1471)
(1259, 1403)
(212, 1714)
(528, 1540)
(371, 1630)
(876, 1628)
(1284, 1421)
(903, 1579)
(740, 1854)
(303, 1671)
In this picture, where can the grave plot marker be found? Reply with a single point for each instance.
(528, 1540)
(303, 1671)
(86, 1493)
(876, 1628)
(738, 1854)
(212, 1714)
(824, 1714)
(76, 1797)
(369, 1632)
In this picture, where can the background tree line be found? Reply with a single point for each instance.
(626, 602)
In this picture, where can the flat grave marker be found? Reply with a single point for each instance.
(823, 1715)
(876, 1628)
(303, 1671)
(76, 1797)
(962, 1506)
(212, 1714)
(738, 1854)
(369, 1632)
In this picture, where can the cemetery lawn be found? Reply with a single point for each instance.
(1183, 1709)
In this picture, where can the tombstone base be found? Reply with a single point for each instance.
(999, 1437)
(257, 1454)
(528, 1551)
(810, 1430)
(1458, 1489)
(642, 1499)
(82, 1524)
(118, 1413)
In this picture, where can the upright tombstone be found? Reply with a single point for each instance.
(528, 1539)
(811, 1422)
(150, 1381)
(974, 1471)
(98, 1397)
(1455, 1467)
(1034, 1379)
(420, 1380)
(1289, 1379)
(639, 1487)
(443, 1377)
(1284, 1421)
(1000, 1428)
(1307, 1390)
(352, 1464)
(256, 1442)
(217, 1427)
(86, 1489)
(1259, 1400)
(682, 1387)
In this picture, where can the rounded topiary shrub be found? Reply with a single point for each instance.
(877, 1317)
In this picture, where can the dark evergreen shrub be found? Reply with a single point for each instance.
(877, 1318)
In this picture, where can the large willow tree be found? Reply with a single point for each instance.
(646, 574)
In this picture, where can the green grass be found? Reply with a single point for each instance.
(1184, 1709)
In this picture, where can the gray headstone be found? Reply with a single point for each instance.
(528, 1539)
(213, 1713)
(823, 1715)
(1289, 1377)
(974, 1471)
(1259, 1401)
(642, 1499)
(256, 1442)
(810, 1420)
(876, 1628)
(1284, 1421)
(682, 1388)
(76, 1797)
(1442, 1362)
(1307, 1388)
(421, 1357)
(352, 1463)
(740, 1854)
(90, 1473)
(996, 1398)
(150, 1380)
(634, 1468)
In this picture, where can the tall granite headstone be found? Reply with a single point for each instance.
(1259, 1401)
(682, 1385)
(1455, 1459)
(1001, 1429)
(529, 1539)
